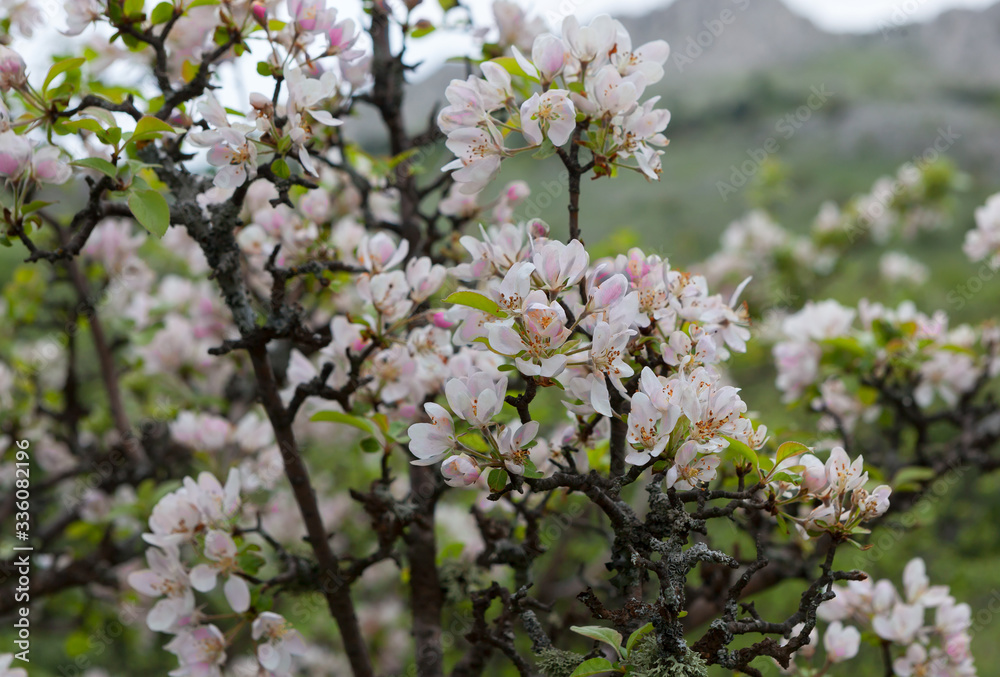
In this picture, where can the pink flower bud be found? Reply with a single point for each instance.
(259, 11)
(517, 191)
(538, 228)
(441, 321)
(11, 69)
(15, 155)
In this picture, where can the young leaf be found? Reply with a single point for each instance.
(148, 128)
(162, 13)
(637, 635)
(739, 451)
(421, 31)
(61, 67)
(789, 449)
(347, 419)
(547, 149)
(99, 164)
(281, 168)
(150, 210)
(606, 635)
(497, 479)
(370, 445)
(475, 300)
(595, 666)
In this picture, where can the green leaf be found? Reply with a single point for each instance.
(99, 164)
(34, 206)
(89, 124)
(347, 419)
(606, 635)
(789, 449)
(264, 68)
(509, 64)
(382, 421)
(133, 7)
(148, 128)
(61, 67)
(370, 445)
(150, 210)
(547, 149)
(162, 13)
(281, 169)
(202, 3)
(497, 479)
(594, 666)
(421, 31)
(738, 450)
(637, 635)
(448, 4)
(911, 477)
(475, 300)
(450, 551)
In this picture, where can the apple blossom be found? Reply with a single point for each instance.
(648, 430)
(918, 588)
(512, 442)
(201, 651)
(476, 398)
(550, 115)
(221, 550)
(901, 624)
(586, 43)
(983, 241)
(280, 642)
(478, 154)
(460, 471)
(424, 278)
(841, 643)
(687, 471)
(164, 578)
(560, 265)
(379, 253)
(430, 442)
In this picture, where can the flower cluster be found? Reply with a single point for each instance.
(899, 619)
(822, 347)
(591, 82)
(200, 520)
(839, 486)
(790, 266)
(983, 241)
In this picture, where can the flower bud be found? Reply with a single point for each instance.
(259, 11)
(441, 321)
(538, 228)
(15, 155)
(11, 69)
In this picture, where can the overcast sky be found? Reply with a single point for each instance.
(832, 15)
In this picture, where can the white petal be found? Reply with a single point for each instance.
(237, 594)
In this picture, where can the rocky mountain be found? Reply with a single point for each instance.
(739, 67)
